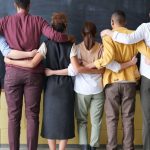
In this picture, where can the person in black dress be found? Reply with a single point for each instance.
(58, 116)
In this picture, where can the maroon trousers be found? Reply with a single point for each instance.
(18, 83)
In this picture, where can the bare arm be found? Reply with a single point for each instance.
(83, 69)
(62, 72)
(26, 63)
(13, 54)
(132, 62)
(16, 54)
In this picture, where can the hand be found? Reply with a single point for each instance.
(106, 32)
(101, 71)
(71, 38)
(32, 53)
(48, 72)
(90, 66)
(7, 60)
(134, 60)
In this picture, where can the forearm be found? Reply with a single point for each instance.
(88, 70)
(62, 72)
(125, 65)
(23, 63)
(26, 63)
(16, 54)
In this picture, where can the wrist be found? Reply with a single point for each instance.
(130, 63)
(28, 54)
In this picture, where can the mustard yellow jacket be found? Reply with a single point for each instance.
(120, 53)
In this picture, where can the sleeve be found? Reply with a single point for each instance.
(4, 47)
(136, 36)
(108, 53)
(73, 51)
(71, 71)
(143, 49)
(114, 66)
(2, 23)
(50, 33)
(43, 50)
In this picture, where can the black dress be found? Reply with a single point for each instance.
(58, 115)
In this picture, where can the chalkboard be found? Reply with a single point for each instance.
(78, 11)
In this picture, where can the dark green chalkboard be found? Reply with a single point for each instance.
(78, 11)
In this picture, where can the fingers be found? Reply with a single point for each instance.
(134, 60)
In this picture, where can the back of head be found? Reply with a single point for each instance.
(24, 4)
(118, 17)
(89, 28)
(59, 21)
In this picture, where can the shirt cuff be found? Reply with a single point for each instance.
(114, 66)
(71, 71)
(6, 52)
(43, 50)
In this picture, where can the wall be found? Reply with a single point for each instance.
(103, 139)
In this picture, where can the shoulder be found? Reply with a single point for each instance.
(107, 39)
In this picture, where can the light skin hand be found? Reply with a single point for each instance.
(90, 66)
(106, 32)
(32, 53)
(134, 60)
(7, 60)
(49, 72)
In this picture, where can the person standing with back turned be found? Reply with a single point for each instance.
(25, 35)
(120, 88)
(141, 33)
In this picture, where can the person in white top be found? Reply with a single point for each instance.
(141, 33)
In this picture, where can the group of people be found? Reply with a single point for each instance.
(81, 78)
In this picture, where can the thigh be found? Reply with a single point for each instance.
(112, 100)
(14, 92)
(32, 92)
(96, 106)
(82, 104)
(145, 96)
(128, 91)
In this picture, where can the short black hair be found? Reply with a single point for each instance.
(119, 16)
(89, 28)
(24, 4)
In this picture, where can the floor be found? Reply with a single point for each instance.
(66, 149)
